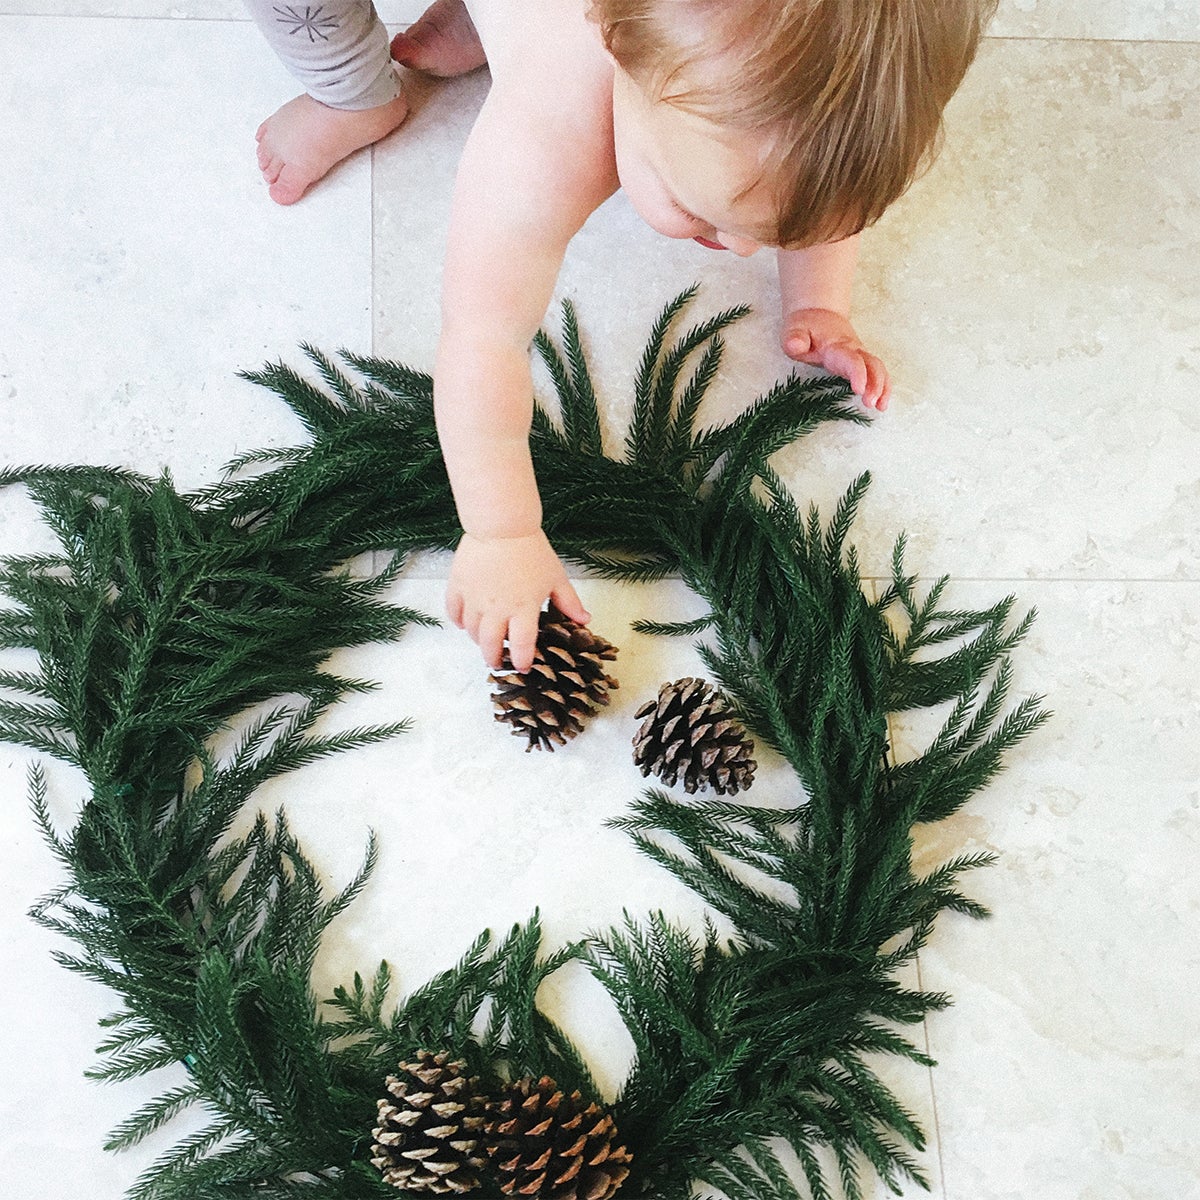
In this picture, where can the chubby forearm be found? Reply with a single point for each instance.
(818, 276)
(518, 202)
(483, 403)
(495, 292)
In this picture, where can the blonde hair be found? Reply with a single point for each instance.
(848, 94)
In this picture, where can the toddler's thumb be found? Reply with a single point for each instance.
(797, 342)
(567, 600)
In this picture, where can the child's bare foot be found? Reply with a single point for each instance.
(305, 139)
(443, 42)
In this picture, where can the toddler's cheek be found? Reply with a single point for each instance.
(644, 192)
(665, 220)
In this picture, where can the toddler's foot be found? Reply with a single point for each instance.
(305, 139)
(443, 42)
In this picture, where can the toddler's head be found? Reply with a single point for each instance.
(780, 122)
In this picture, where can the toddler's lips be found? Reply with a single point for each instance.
(710, 245)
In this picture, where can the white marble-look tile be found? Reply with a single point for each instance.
(1143, 20)
(144, 263)
(414, 179)
(1069, 1064)
(1037, 298)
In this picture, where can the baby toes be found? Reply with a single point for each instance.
(270, 165)
(289, 184)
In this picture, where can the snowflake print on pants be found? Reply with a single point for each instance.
(309, 21)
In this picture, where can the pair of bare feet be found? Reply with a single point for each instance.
(306, 139)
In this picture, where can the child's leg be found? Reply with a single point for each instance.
(339, 51)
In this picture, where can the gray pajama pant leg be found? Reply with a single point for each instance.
(339, 51)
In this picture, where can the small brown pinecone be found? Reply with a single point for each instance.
(430, 1127)
(690, 732)
(545, 1143)
(565, 685)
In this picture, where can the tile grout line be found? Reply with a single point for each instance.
(937, 1131)
(372, 299)
(1093, 41)
(1040, 579)
(937, 1125)
(371, 294)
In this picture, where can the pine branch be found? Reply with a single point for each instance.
(639, 436)
(573, 383)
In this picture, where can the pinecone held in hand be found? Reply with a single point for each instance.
(547, 1144)
(430, 1126)
(565, 685)
(690, 732)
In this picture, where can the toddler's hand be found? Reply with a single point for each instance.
(496, 590)
(823, 338)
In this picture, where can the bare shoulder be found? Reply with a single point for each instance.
(549, 112)
(513, 31)
(545, 51)
(538, 162)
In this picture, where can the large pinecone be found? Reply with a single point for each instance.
(430, 1126)
(545, 1143)
(565, 685)
(690, 732)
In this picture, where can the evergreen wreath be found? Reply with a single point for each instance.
(163, 617)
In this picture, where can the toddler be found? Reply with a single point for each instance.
(743, 124)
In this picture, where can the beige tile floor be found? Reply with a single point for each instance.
(1037, 297)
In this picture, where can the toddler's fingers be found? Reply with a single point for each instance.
(491, 640)
(472, 620)
(848, 362)
(878, 384)
(454, 606)
(886, 398)
(569, 604)
(522, 640)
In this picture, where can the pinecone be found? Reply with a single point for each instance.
(690, 731)
(545, 1143)
(565, 685)
(430, 1127)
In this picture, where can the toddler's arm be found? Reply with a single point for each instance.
(523, 190)
(815, 286)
